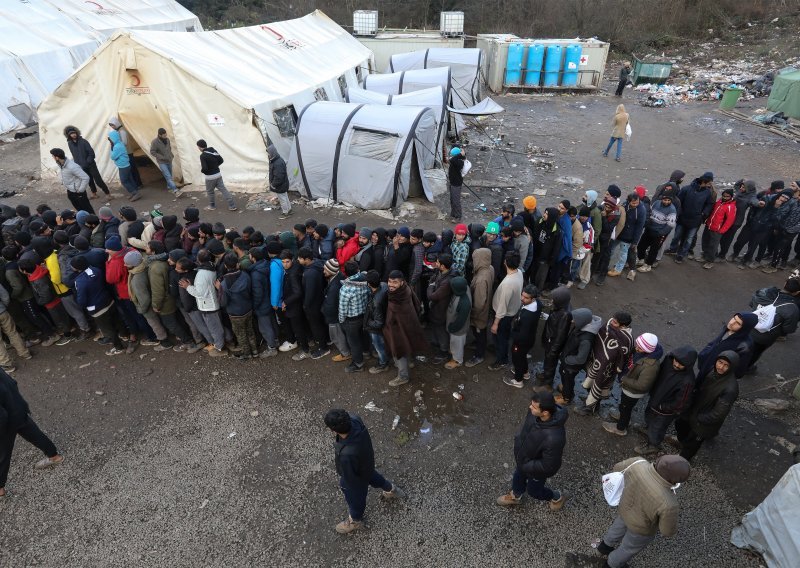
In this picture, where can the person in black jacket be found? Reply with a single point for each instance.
(554, 336)
(784, 322)
(455, 181)
(546, 245)
(279, 180)
(538, 448)
(83, 155)
(365, 255)
(582, 330)
(210, 161)
(292, 304)
(15, 419)
(670, 396)
(313, 294)
(523, 335)
(355, 465)
(375, 318)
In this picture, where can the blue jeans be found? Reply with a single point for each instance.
(380, 346)
(683, 239)
(574, 270)
(623, 255)
(126, 178)
(536, 487)
(166, 171)
(611, 143)
(356, 497)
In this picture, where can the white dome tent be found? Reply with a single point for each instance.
(370, 156)
(464, 64)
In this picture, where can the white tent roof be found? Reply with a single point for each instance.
(464, 64)
(408, 81)
(361, 153)
(43, 41)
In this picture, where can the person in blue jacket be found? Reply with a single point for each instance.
(630, 235)
(262, 306)
(119, 154)
(564, 257)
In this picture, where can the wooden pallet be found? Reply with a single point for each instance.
(792, 132)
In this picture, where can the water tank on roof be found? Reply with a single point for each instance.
(572, 59)
(514, 64)
(534, 65)
(552, 65)
(365, 22)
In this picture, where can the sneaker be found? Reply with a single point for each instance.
(599, 282)
(270, 352)
(243, 357)
(217, 352)
(611, 428)
(320, 352)
(194, 348)
(115, 351)
(285, 215)
(644, 268)
(708, 265)
(512, 382)
(509, 500)
(233, 208)
(557, 503)
(177, 193)
(753, 265)
(136, 196)
(339, 358)
(8, 368)
(353, 368)
(398, 381)
(439, 359)
(162, 347)
(395, 493)
(286, 346)
(631, 275)
(148, 343)
(497, 366)
(613, 273)
(300, 355)
(210, 208)
(51, 340)
(452, 364)
(584, 410)
(690, 256)
(65, 339)
(349, 525)
(181, 347)
(473, 361)
(769, 269)
(639, 262)
(32, 342)
(646, 449)
(581, 285)
(49, 462)
(655, 264)
(377, 369)
(678, 260)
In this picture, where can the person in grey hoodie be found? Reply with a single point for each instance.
(457, 320)
(582, 332)
(744, 193)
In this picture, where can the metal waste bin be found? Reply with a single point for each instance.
(729, 98)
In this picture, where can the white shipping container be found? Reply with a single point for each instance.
(451, 23)
(365, 22)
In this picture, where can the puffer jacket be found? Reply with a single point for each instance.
(158, 275)
(642, 375)
(375, 317)
(203, 288)
(259, 287)
(538, 446)
(722, 217)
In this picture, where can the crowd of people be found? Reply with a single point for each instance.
(405, 296)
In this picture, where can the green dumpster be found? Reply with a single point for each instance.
(729, 98)
(650, 71)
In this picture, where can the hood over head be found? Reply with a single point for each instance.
(561, 297)
(591, 197)
(115, 137)
(459, 285)
(594, 326)
(552, 218)
(114, 121)
(69, 129)
(749, 321)
(191, 214)
(447, 238)
(169, 222)
(685, 355)
(481, 258)
(677, 175)
(732, 357)
(581, 317)
(381, 232)
(476, 231)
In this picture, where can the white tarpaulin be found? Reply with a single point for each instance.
(464, 64)
(773, 528)
(362, 154)
(485, 107)
(43, 41)
(234, 88)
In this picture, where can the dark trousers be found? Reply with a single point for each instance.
(480, 341)
(603, 260)
(356, 497)
(568, 375)
(30, 432)
(657, 425)
(727, 240)
(133, 320)
(536, 488)
(755, 241)
(620, 88)
(60, 318)
(710, 241)
(441, 338)
(626, 406)
(549, 367)
(107, 324)
(519, 358)
(80, 201)
(540, 276)
(34, 313)
(135, 172)
(690, 442)
(319, 329)
(175, 327)
(95, 178)
(353, 328)
(648, 248)
(455, 201)
(502, 340)
(782, 246)
(758, 350)
(299, 330)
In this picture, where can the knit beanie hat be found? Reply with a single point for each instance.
(641, 191)
(350, 230)
(461, 229)
(81, 243)
(177, 254)
(274, 247)
(529, 202)
(365, 232)
(67, 214)
(404, 232)
(615, 191)
(331, 266)
(79, 263)
(708, 176)
(114, 243)
(61, 237)
(647, 342)
(133, 258)
(673, 468)
(216, 248)
(105, 213)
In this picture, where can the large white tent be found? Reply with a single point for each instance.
(43, 41)
(464, 64)
(237, 89)
(371, 156)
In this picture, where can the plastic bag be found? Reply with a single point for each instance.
(628, 131)
(466, 167)
(614, 484)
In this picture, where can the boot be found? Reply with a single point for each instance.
(631, 275)
(349, 525)
(509, 500)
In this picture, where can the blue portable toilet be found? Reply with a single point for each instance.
(572, 60)
(534, 66)
(552, 65)
(514, 64)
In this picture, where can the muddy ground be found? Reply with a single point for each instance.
(167, 466)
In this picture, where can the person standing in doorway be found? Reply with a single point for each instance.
(83, 155)
(455, 180)
(74, 179)
(210, 161)
(161, 151)
(115, 123)
(355, 465)
(121, 159)
(279, 181)
(619, 123)
(624, 78)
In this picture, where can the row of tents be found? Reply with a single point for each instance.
(305, 85)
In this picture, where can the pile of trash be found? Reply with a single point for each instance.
(537, 156)
(659, 96)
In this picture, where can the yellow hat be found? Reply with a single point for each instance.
(529, 202)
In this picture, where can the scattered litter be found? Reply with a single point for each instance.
(214, 373)
(774, 451)
(396, 421)
(582, 106)
(505, 465)
(232, 434)
(426, 428)
(461, 387)
(458, 396)
(569, 180)
(256, 454)
(772, 404)
(204, 503)
(372, 408)
(84, 365)
(418, 396)
(99, 393)
(728, 130)
(254, 413)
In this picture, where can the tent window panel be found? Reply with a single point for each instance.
(286, 120)
(373, 144)
(320, 94)
(342, 86)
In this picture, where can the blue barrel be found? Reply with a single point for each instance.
(552, 65)
(572, 60)
(533, 68)
(514, 64)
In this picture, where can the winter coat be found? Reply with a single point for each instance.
(313, 288)
(635, 219)
(236, 296)
(696, 204)
(538, 446)
(14, 409)
(365, 258)
(203, 289)
(42, 287)
(713, 400)
(145, 237)
(21, 290)
(457, 317)
(139, 288)
(73, 177)
(648, 504)
(619, 123)
(525, 324)
(375, 316)
(403, 333)
(188, 302)
(91, 293)
(54, 268)
(161, 150)
(577, 239)
(642, 375)
(740, 342)
(454, 170)
(355, 458)
(117, 273)
(786, 314)
(119, 153)
(578, 345)
(323, 248)
(158, 276)
(293, 291)
(259, 287)
(330, 305)
(662, 219)
(439, 294)
(210, 161)
(481, 287)
(611, 353)
(348, 251)
(722, 217)
(82, 152)
(172, 232)
(278, 178)
(547, 242)
(672, 391)
(558, 324)
(276, 282)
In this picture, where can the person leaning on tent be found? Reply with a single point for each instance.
(74, 179)
(210, 161)
(83, 154)
(161, 151)
(455, 180)
(279, 180)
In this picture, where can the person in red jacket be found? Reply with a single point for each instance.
(722, 217)
(350, 247)
(117, 278)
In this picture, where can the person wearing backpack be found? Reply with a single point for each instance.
(778, 317)
(45, 296)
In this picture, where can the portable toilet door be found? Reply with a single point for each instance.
(514, 64)
(571, 61)
(534, 66)
(552, 65)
